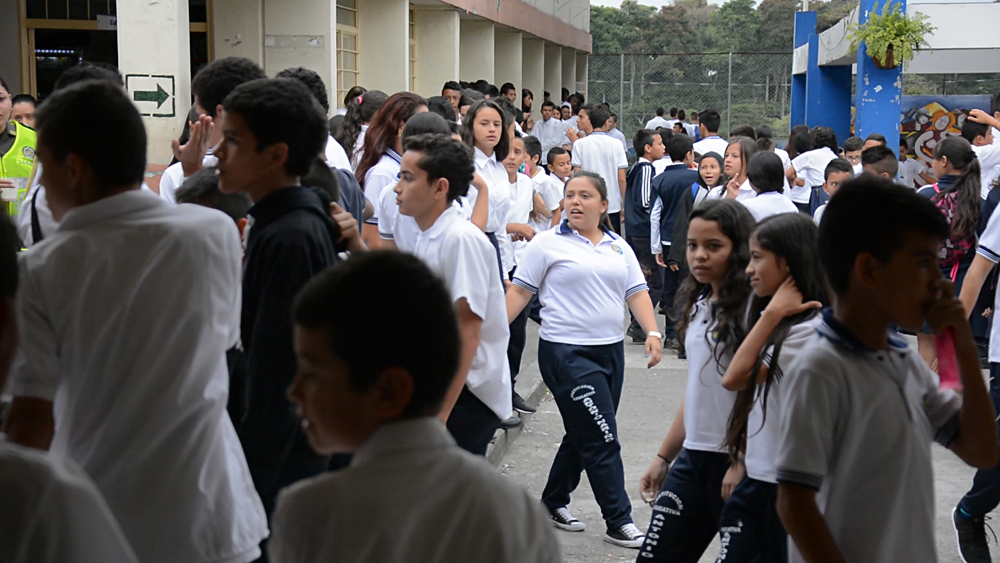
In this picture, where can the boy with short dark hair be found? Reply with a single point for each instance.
(273, 130)
(880, 161)
(601, 154)
(861, 407)
(875, 140)
(638, 203)
(837, 172)
(335, 155)
(853, 147)
(710, 141)
(381, 403)
(203, 189)
(986, 144)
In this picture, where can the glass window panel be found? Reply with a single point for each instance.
(353, 4)
(35, 9)
(197, 11)
(57, 9)
(347, 17)
(350, 62)
(350, 42)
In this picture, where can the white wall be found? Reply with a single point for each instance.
(507, 60)
(533, 72)
(477, 48)
(438, 39)
(238, 28)
(385, 44)
(553, 72)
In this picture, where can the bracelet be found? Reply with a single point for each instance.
(664, 459)
(654, 333)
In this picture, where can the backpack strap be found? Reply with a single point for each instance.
(937, 190)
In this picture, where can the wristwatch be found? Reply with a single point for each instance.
(654, 333)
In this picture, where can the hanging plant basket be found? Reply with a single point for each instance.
(889, 36)
(890, 60)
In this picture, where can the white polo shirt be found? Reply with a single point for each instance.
(52, 513)
(336, 156)
(657, 121)
(660, 165)
(769, 203)
(522, 201)
(989, 248)
(126, 313)
(551, 190)
(173, 177)
(460, 253)
(810, 166)
(495, 175)
(764, 429)
(437, 493)
(550, 134)
(714, 144)
(392, 225)
(601, 154)
(818, 215)
(582, 287)
(989, 162)
(857, 426)
(707, 403)
(746, 192)
(384, 173)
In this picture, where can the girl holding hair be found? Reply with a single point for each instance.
(808, 169)
(767, 178)
(738, 153)
(352, 131)
(687, 501)
(379, 166)
(581, 350)
(789, 287)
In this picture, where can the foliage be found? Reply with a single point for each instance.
(891, 28)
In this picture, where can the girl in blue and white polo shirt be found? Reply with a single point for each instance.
(584, 274)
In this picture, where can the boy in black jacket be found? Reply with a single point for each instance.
(638, 200)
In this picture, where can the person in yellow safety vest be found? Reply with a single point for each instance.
(17, 154)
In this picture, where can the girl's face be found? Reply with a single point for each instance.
(4, 106)
(710, 171)
(526, 101)
(708, 251)
(515, 158)
(565, 113)
(766, 269)
(487, 128)
(583, 204)
(941, 167)
(734, 162)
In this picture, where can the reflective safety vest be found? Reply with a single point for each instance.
(18, 162)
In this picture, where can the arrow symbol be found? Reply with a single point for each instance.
(159, 96)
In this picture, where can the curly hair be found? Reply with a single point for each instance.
(312, 81)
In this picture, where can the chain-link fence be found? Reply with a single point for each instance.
(746, 88)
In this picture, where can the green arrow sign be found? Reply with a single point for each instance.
(159, 96)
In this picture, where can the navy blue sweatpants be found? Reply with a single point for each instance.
(586, 382)
(984, 496)
(750, 529)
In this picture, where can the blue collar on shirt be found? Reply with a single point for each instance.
(836, 332)
(946, 181)
(565, 229)
(394, 155)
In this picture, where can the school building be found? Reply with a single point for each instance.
(389, 45)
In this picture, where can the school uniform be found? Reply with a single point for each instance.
(53, 513)
(687, 509)
(476, 514)
(384, 173)
(393, 226)
(522, 201)
(989, 162)
(745, 192)
(616, 134)
(749, 527)
(550, 189)
(657, 122)
(359, 148)
(668, 190)
(857, 426)
(712, 143)
(154, 289)
(581, 356)
(767, 204)
(690, 200)
(173, 177)
(638, 203)
(571, 123)
(810, 166)
(818, 215)
(603, 155)
(909, 173)
(660, 165)
(336, 156)
(550, 133)
(495, 175)
(457, 251)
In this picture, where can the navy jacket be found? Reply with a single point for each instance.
(670, 187)
(638, 199)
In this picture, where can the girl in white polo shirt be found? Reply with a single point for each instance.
(486, 129)
(766, 176)
(738, 153)
(584, 274)
(687, 502)
(789, 287)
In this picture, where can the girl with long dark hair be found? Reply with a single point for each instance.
(360, 112)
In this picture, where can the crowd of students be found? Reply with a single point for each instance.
(208, 373)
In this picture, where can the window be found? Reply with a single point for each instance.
(348, 46)
(413, 50)
(69, 9)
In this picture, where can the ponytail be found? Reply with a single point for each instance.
(968, 187)
(360, 110)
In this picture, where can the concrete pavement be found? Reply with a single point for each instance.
(649, 402)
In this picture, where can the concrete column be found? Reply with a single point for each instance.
(385, 44)
(154, 55)
(569, 69)
(582, 74)
(438, 34)
(238, 29)
(813, 93)
(299, 34)
(834, 106)
(553, 72)
(477, 50)
(805, 25)
(533, 73)
(507, 57)
(878, 97)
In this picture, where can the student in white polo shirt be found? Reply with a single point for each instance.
(550, 130)
(487, 131)
(710, 141)
(603, 155)
(546, 215)
(738, 153)
(807, 169)
(435, 172)
(766, 175)
(982, 128)
(121, 368)
(789, 287)
(581, 353)
(861, 408)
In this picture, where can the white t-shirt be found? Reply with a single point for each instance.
(173, 177)
(909, 173)
(52, 513)
(460, 253)
(810, 166)
(660, 165)
(714, 144)
(707, 404)
(336, 156)
(764, 428)
(603, 155)
(522, 201)
(857, 426)
(340, 516)
(155, 290)
(767, 204)
(657, 121)
(551, 190)
(384, 173)
(818, 215)
(582, 287)
(392, 225)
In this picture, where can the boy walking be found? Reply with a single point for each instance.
(601, 154)
(638, 202)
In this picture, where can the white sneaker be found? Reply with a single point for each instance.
(625, 536)
(563, 520)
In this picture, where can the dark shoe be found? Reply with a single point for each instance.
(563, 520)
(671, 343)
(625, 536)
(513, 422)
(984, 362)
(522, 406)
(971, 534)
(636, 333)
(662, 310)
(681, 354)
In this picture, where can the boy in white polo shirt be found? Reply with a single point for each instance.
(861, 407)
(435, 172)
(603, 155)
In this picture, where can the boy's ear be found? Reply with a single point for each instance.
(395, 391)
(866, 270)
(441, 187)
(276, 154)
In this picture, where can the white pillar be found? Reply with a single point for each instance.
(569, 69)
(299, 34)
(154, 55)
(533, 72)
(385, 45)
(582, 74)
(507, 61)
(238, 29)
(553, 72)
(477, 51)
(438, 43)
